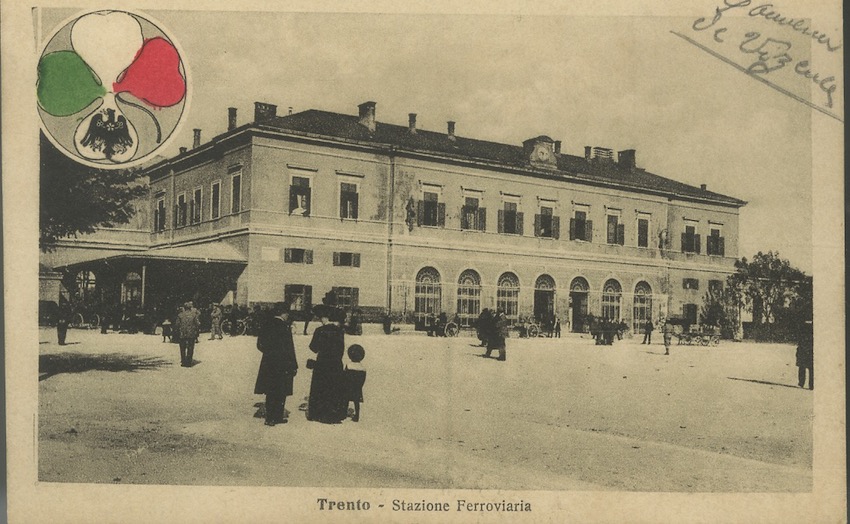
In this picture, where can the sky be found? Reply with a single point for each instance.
(617, 82)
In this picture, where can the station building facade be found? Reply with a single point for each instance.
(396, 218)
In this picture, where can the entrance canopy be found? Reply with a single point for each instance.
(212, 252)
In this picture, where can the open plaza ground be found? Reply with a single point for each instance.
(559, 414)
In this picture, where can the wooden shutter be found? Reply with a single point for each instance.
(176, 213)
(308, 256)
(287, 255)
(556, 227)
(342, 201)
(308, 203)
(441, 214)
(696, 244)
(519, 223)
(308, 298)
(192, 212)
(588, 231)
(572, 229)
(621, 234)
(537, 225)
(722, 245)
(482, 219)
(464, 220)
(336, 258)
(355, 206)
(685, 247)
(420, 212)
(501, 221)
(355, 259)
(355, 297)
(293, 198)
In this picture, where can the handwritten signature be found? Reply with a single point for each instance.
(772, 54)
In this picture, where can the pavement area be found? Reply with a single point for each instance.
(559, 414)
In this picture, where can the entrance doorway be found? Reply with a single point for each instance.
(578, 301)
(544, 299)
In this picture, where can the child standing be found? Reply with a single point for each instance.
(355, 377)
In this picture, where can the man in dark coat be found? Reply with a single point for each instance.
(187, 327)
(805, 356)
(278, 366)
(647, 332)
(482, 327)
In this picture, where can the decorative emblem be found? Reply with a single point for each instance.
(112, 88)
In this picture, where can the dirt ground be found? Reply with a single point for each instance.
(559, 414)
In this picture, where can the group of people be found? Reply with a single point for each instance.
(333, 385)
(492, 331)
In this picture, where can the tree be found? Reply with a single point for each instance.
(722, 308)
(76, 199)
(768, 284)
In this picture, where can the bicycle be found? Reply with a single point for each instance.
(228, 327)
(451, 329)
(79, 321)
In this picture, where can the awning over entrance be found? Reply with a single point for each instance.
(211, 252)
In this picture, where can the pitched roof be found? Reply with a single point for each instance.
(347, 127)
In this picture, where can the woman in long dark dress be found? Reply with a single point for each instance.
(327, 401)
(278, 366)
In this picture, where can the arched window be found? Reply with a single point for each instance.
(468, 297)
(579, 285)
(507, 296)
(642, 311)
(428, 293)
(85, 285)
(612, 294)
(545, 283)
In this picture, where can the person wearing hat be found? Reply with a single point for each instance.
(278, 366)
(805, 355)
(187, 327)
(327, 402)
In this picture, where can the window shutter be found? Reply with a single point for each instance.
(722, 245)
(536, 225)
(519, 223)
(336, 258)
(308, 203)
(588, 231)
(441, 214)
(482, 219)
(420, 211)
(176, 212)
(696, 244)
(308, 256)
(501, 220)
(621, 234)
(192, 212)
(355, 297)
(685, 283)
(355, 259)
(293, 198)
(287, 255)
(464, 220)
(685, 247)
(556, 227)
(308, 298)
(572, 229)
(343, 198)
(355, 206)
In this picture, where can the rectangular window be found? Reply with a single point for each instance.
(347, 297)
(299, 196)
(689, 311)
(580, 227)
(344, 259)
(181, 210)
(616, 232)
(715, 287)
(215, 200)
(510, 219)
(643, 232)
(690, 239)
(159, 216)
(690, 283)
(430, 209)
(348, 200)
(196, 206)
(469, 214)
(300, 296)
(236, 194)
(715, 243)
(544, 223)
(297, 256)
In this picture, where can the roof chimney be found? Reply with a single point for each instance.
(231, 118)
(603, 154)
(367, 115)
(451, 130)
(197, 141)
(183, 150)
(290, 110)
(558, 147)
(626, 158)
(264, 111)
(703, 187)
(587, 150)
(411, 123)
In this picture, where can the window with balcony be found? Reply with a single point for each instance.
(546, 224)
(580, 227)
(430, 211)
(616, 232)
(643, 231)
(299, 196)
(690, 239)
(511, 219)
(348, 200)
